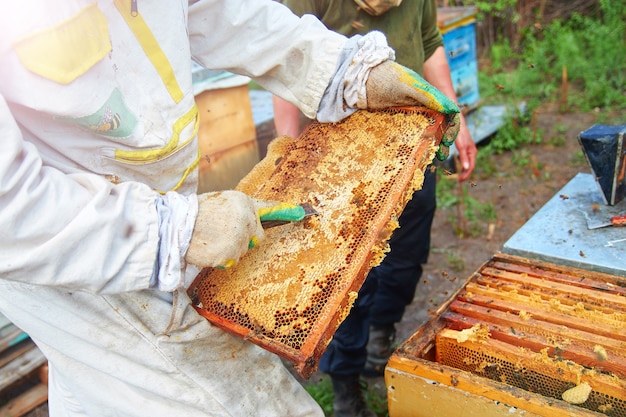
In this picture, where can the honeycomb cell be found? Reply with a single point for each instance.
(288, 294)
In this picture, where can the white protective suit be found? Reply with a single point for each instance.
(96, 113)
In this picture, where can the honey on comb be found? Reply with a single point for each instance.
(289, 294)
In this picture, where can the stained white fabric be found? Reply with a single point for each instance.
(346, 91)
(79, 225)
(177, 214)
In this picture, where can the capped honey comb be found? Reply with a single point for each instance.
(289, 294)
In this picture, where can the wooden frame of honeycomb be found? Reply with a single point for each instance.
(289, 294)
(522, 333)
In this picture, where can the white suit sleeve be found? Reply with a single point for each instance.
(291, 57)
(75, 231)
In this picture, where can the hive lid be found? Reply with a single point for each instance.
(289, 294)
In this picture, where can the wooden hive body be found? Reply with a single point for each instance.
(515, 338)
(290, 294)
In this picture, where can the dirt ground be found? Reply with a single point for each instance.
(516, 189)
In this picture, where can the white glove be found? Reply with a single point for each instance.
(368, 78)
(390, 84)
(229, 224)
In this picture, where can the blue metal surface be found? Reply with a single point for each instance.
(558, 232)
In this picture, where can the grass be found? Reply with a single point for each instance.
(322, 392)
(577, 64)
(468, 216)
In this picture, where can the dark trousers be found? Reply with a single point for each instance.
(389, 287)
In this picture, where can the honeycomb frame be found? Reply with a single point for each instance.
(290, 294)
(522, 332)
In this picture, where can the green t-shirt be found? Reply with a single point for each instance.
(411, 28)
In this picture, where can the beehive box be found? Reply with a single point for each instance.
(21, 365)
(289, 294)
(517, 336)
(458, 28)
(226, 131)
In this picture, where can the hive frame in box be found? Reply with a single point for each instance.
(551, 327)
(290, 294)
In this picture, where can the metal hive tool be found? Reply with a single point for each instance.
(290, 293)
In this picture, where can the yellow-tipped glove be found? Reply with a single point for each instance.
(229, 224)
(391, 84)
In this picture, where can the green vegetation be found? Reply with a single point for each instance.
(468, 216)
(322, 392)
(575, 62)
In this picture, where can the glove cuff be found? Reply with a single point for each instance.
(347, 87)
(373, 50)
(177, 214)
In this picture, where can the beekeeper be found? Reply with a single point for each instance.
(101, 228)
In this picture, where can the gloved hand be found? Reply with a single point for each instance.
(391, 84)
(229, 224)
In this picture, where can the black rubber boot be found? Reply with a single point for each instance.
(379, 349)
(349, 400)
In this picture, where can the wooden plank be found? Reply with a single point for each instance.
(574, 276)
(409, 395)
(556, 346)
(531, 325)
(4, 322)
(474, 385)
(15, 352)
(20, 367)
(11, 336)
(525, 361)
(585, 280)
(566, 294)
(551, 328)
(25, 402)
(592, 321)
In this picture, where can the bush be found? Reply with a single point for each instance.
(577, 62)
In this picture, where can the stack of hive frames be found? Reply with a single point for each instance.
(290, 293)
(521, 332)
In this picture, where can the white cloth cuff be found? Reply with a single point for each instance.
(373, 50)
(347, 87)
(177, 216)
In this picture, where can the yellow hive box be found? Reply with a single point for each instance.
(512, 341)
(226, 137)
